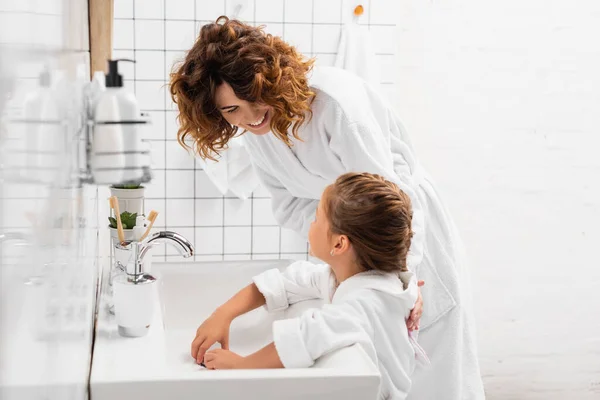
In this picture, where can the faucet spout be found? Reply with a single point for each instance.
(181, 244)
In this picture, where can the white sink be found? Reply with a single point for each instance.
(160, 366)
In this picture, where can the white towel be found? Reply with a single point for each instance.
(233, 172)
(356, 52)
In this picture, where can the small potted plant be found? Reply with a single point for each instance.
(130, 196)
(128, 222)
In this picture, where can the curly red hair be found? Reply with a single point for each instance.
(259, 67)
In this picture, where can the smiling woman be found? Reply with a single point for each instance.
(272, 96)
(304, 128)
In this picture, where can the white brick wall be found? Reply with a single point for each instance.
(502, 100)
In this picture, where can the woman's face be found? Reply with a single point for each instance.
(253, 117)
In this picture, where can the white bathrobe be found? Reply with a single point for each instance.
(354, 129)
(369, 308)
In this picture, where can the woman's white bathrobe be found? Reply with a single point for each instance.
(354, 129)
(369, 308)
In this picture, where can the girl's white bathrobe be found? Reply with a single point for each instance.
(369, 308)
(354, 129)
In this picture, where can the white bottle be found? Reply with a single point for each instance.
(117, 143)
(139, 228)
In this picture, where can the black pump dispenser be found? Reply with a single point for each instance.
(113, 78)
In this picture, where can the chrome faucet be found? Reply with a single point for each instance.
(140, 250)
(181, 244)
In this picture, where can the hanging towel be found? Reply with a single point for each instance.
(233, 172)
(356, 52)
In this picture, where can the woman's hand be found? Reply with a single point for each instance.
(415, 315)
(222, 359)
(214, 329)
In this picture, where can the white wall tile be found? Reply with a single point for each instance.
(265, 239)
(246, 14)
(387, 68)
(237, 257)
(238, 212)
(261, 192)
(180, 184)
(187, 233)
(171, 58)
(209, 212)
(157, 154)
(177, 156)
(156, 128)
(291, 242)
(149, 64)
(209, 241)
(156, 188)
(159, 205)
(149, 35)
(275, 29)
(123, 34)
(269, 10)
(295, 256)
(262, 213)
(237, 240)
(209, 10)
(158, 251)
(175, 258)
(203, 258)
(172, 125)
(150, 9)
(180, 9)
(205, 187)
(298, 11)
(300, 36)
(123, 8)
(326, 38)
(265, 256)
(383, 12)
(328, 11)
(180, 35)
(179, 212)
(384, 38)
(126, 69)
(326, 59)
(150, 95)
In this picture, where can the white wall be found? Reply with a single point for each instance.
(502, 100)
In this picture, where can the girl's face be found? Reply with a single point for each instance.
(253, 117)
(318, 234)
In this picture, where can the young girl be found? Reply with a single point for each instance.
(362, 230)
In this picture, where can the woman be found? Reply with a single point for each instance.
(305, 127)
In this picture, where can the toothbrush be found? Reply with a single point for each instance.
(114, 203)
(151, 218)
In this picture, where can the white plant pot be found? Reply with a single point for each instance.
(130, 200)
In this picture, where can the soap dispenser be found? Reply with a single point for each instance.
(116, 144)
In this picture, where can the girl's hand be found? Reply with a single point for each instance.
(214, 329)
(222, 359)
(415, 315)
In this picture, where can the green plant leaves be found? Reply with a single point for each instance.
(127, 220)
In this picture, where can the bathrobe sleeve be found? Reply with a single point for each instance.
(301, 341)
(363, 146)
(295, 213)
(300, 281)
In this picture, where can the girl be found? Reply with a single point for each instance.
(362, 230)
(303, 128)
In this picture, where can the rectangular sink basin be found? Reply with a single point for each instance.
(160, 366)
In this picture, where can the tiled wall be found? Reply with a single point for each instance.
(156, 33)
